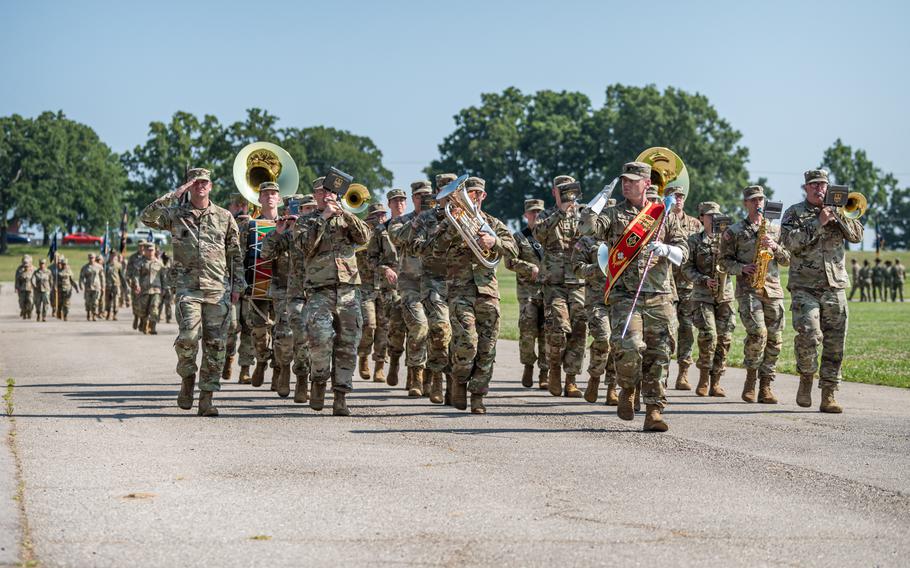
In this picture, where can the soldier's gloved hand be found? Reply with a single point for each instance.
(672, 253)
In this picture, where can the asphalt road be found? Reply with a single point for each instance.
(115, 474)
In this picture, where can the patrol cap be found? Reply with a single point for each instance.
(42, 261)
(317, 183)
(297, 196)
(559, 180)
(533, 205)
(307, 200)
(677, 190)
(752, 192)
(421, 187)
(813, 176)
(443, 180)
(475, 183)
(708, 208)
(194, 174)
(146, 244)
(636, 171)
(268, 186)
(395, 194)
(376, 209)
(91, 256)
(26, 258)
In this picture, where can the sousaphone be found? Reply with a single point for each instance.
(263, 161)
(667, 169)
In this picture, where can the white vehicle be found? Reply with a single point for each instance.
(158, 237)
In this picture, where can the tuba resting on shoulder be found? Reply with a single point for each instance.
(667, 169)
(462, 213)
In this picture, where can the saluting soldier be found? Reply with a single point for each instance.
(23, 285)
(814, 234)
(114, 276)
(332, 282)
(209, 266)
(380, 258)
(41, 289)
(91, 278)
(167, 291)
(147, 284)
(643, 355)
(526, 266)
(132, 264)
(761, 305)
(685, 310)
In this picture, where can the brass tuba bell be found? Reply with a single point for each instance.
(356, 200)
(856, 206)
(260, 162)
(667, 169)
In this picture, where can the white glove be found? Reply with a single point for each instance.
(672, 253)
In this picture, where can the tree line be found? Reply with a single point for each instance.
(58, 174)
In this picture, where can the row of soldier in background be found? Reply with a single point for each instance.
(876, 283)
(107, 286)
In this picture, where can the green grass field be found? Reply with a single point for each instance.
(877, 350)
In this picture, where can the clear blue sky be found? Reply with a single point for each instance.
(791, 76)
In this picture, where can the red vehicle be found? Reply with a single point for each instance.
(81, 239)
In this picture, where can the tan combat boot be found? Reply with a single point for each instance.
(228, 367)
(702, 388)
(527, 377)
(592, 389)
(301, 390)
(554, 380)
(185, 398)
(436, 387)
(749, 385)
(206, 407)
(244, 378)
(571, 388)
(654, 421)
(317, 397)
(716, 389)
(427, 378)
(612, 397)
(284, 381)
(143, 326)
(135, 322)
(828, 404)
(543, 382)
(88, 316)
(477, 406)
(153, 328)
(459, 395)
(447, 397)
(393, 371)
(378, 374)
(113, 318)
(339, 405)
(637, 399)
(363, 368)
(765, 394)
(259, 374)
(276, 379)
(626, 408)
(682, 380)
(804, 393)
(416, 388)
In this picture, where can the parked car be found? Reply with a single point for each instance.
(81, 239)
(17, 239)
(158, 237)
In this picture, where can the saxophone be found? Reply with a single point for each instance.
(762, 255)
(720, 275)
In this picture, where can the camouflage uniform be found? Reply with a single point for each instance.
(115, 278)
(713, 310)
(685, 309)
(854, 279)
(379, 255)
(898, 275)
(91, 277)
(150, 281)
(258, 314)
(564, 298)
(886, 281)
(865, 277)
(132, 263)
(877, 281)
(64, 283)
(23, 287)
(282, 333)
(41, 287)
(167, 290)
(530, 301)
(208, 262)
(816, 283)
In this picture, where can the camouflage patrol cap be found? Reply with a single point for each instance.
(474, 183)
(676, 190)
(62, 259)
(317, 183)
(813, 176)
(91, 256)
(443, 180)
(307, 200)
(194, 174)
(376, 209)
(533, 205)
(297, 196)
(26, 258)
(708, 208)
(395, 194)
(421, 187)
(636, 171)
(561, 179)
(42, 261)
(752, 192)
(268, 186)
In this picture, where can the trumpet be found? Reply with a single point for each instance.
(464, 216)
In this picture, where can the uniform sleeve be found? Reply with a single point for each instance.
(594, 225)
(234, 255)
(781, 255)
(544, 227)
(274, 244)
(798, 235)
(676, 236)
(158, 214)
(688, 265)
(358, 231)
(852, 229)
(517, 264)
(581, 260)
(505, 242)
(728, 256)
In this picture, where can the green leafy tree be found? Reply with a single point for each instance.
(322, 147)
(894, 220)
(13, 153)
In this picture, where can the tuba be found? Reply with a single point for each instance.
(462, 213)
(260, 162)
(667, 169)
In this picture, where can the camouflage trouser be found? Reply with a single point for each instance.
(602, 360)
(475, 328)
(439, 330)
(148, 305)
(261, 318)
(298, 329)
(63, 302)
(91, 300)
(25, 303)
(167, 302)
(381, 339)
(876, 290)
(112, 299)
(333, 329)
(240, 329)
(566, 325)
(531, 333)
(202, 315)
(644, 355)
(375, 337)
(282, 336)
(763, 319)
(897, 290)
(413, 325)
(133, 297)
(685, 316)
(715, 323)
(42, 301)
(820, 316)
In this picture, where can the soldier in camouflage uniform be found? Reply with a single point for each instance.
(91, 278)
(601, 361)
(473, 302)
(64, 284)
(332, 281)
(886, 281)
(23, 285)
(712, 302)
(397, 200)
(375, 262)
(814, 235)
(530, 297)
(643, 355)
(761, 308)
(898, 275)
(685, 312)
(114, 276)
(564, 297)
(281, 242)
(209, 266)
(147, 284)
(410, 271)
(383, 256)
(877, 278)
(854, 278)
(132, 264)
(167, 292)
(41, 287)
(865, 277)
